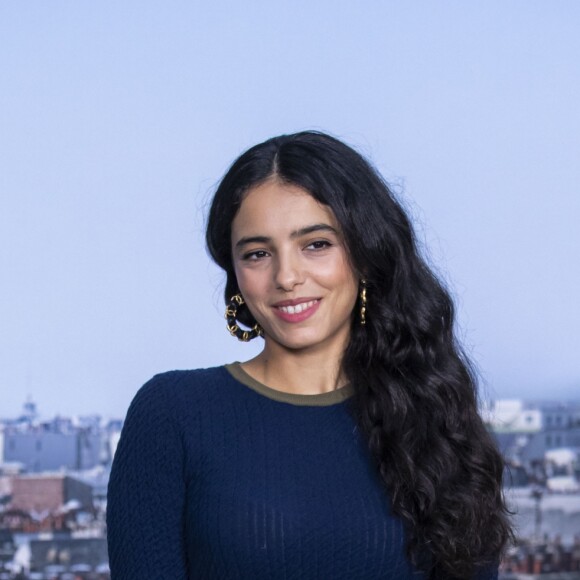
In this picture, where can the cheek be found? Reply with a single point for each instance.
(251, 284)
(338, 272)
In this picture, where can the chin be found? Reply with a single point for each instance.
(299, 342)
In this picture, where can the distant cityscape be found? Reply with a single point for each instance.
(54, 475)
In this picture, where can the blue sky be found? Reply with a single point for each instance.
(118, 119)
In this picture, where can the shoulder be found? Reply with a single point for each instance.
(180, 383)
(171, 394)
(170, 405)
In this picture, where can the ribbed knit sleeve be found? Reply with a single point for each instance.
(146, 495)
(488, 573)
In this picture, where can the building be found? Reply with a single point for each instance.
(49, 493)
(41, 449)
(58, 444)
(526, 431)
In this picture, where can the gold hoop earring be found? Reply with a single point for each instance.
(232, 325)
(363, 302)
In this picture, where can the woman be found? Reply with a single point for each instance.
(351, 446)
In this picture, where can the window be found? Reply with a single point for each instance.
(548, 440)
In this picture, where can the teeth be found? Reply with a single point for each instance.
(298, 308)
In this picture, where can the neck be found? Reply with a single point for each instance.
(301, 372)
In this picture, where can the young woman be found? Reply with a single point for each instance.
(350, 447)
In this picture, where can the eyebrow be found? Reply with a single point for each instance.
(295, 234)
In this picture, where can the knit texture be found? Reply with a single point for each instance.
(214, 480)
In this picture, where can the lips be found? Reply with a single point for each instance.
(296, 310)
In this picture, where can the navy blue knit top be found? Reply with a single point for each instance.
(217, 476)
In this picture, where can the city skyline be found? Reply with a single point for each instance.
(118, 123)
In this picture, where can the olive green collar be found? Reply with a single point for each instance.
(319, 400)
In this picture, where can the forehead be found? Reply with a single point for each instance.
(278, 208)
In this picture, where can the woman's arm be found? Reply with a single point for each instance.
(489, 572)
(146, 495)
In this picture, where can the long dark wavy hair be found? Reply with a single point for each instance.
(416, 393)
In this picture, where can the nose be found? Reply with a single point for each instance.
(288, 272)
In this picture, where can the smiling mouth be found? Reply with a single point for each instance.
(297, 308)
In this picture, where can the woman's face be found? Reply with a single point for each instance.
(293, 269)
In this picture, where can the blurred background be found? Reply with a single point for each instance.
(118, 119)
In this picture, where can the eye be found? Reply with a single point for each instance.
(318, 245)
(255, 255)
